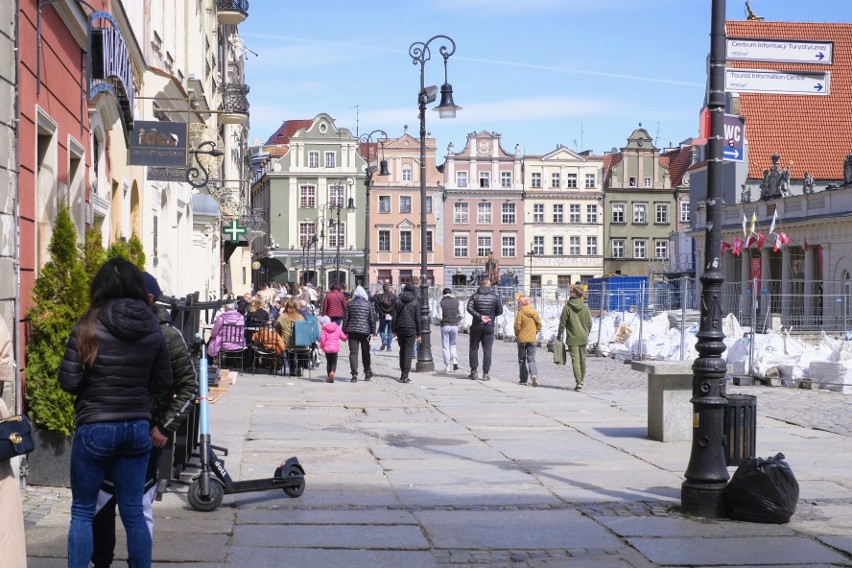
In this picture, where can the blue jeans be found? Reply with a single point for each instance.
(123, 448)
(386, 331)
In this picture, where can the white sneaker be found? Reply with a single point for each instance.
(448, 369)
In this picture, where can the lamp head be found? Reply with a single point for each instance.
(447, 108)
(383, 168)
(351, 206)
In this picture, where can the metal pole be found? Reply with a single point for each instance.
(337, 238)
(753, 326)
(702, 494)
(368, 180)
(683, 295)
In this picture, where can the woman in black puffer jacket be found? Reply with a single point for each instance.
(115, 359)
(406, 328)
(359, 324)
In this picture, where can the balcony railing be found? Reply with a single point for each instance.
(235, 105)
(233, 12)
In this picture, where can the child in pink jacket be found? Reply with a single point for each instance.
(330, 336)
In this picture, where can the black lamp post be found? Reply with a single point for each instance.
(367, 140)
(420, 54)
(338, 206)
(702, 494)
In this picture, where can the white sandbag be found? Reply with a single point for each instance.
(731, 327)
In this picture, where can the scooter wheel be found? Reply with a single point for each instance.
(201, 503)
(295, 490)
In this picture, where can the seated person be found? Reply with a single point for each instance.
(231, 317)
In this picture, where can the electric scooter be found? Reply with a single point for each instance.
(213, 482)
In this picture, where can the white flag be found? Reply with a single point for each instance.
(745, 222)
(772, 225)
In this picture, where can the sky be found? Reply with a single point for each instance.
(578, 73)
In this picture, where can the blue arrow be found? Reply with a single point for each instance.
(820, 56)
(818, 86)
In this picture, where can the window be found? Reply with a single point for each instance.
(618, 248)
(405, 241)
(509, 247)
(538, 246)
(335, 194)
(640, 247)
(461, 179)
(330, 160)
(406, 173)
(591, 214)
(313, 159)
(571, 180)
(484, 179)
(661, 249)
(506, 179)
(591, 181)
(535, 179)
(574, 246)
(460, 246)
(662, 213)
(647, 182)
(483, 245)
(337, 231)
(483, 214)
(460, 214)
(307, 196)
(558, 246)
(428, 204)
(384, 240)
(558, 213)
(405, 204)
(684, 211)
(429, 241)
(640, 213)
(563, 281)
(592, 246)
(574, 213)
(538, 213)
(384, 204)
(554, 181)
(509, 216)
(632, 181)
(618, 212)
(306, 234)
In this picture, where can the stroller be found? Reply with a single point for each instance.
(305, 346)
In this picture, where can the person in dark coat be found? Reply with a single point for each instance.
(384, 302)
(484, 305)
(359, 324)
(334, 305)
(115, 360)
(406, 328)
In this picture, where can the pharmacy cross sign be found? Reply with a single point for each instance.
(235, 230)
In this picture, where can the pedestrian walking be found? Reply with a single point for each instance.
(484, 305)
(330, 336)
(13, 546)
(450, 318)
(576, 322)
(384, 302)
(359, 325)
(527, 328)
(115, 360)
(406, 328)
(168, 411)
(334, 304)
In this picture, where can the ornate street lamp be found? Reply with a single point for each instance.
(367, 140)
(198, 176)
(338, 207)
(420, 54)
(702, 494)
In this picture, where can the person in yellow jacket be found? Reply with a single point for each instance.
(527, 327)
(576, 322)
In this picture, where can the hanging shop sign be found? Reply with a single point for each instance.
(110, 69)
(157, 143)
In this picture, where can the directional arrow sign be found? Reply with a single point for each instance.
(779, 82)
(734, 154)
(782, 50)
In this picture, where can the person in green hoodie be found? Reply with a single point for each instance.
(576, 322)
(527, 328)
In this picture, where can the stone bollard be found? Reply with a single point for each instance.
(669, 395)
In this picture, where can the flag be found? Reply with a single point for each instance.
(772, 225)
(785, 240)
(806, 245)
(737, 246)
(724, 248)
(753, 221)
(745, 224)
(777, 243)
(760, 240)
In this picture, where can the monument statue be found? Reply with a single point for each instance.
(776, 180)
(808, 184)
(847, 171)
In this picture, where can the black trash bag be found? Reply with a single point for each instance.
(763, 491)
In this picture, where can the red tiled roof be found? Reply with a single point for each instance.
(678, 161)
(287, 129)
(610, 161)
(810, 132)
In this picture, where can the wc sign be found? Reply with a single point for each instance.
(733, 138)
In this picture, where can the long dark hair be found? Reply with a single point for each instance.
(117, 278)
